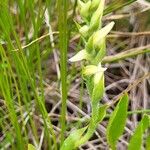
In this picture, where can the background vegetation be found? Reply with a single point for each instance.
(42, 95)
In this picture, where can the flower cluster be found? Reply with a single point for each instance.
(94, 38)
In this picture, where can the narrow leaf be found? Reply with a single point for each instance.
(70, 142)
(148, 142)
(117, 122)
(137, 136)
(117, 4)
(102, 113)
(93, 124)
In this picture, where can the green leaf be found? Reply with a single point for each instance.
(70, 142)
(148, 142)
(117, 4)
(31, 147)
(100, 52)
(98, 90)
(137, 136)
(117, 122)
(93, 124)
(102, 113)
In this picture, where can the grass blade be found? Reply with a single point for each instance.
(117, 4)
(63, 42)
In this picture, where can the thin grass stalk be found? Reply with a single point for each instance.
(6, 86)
(63, 40)
(20, 59)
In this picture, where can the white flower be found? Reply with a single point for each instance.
(97, 71)
(79, 56)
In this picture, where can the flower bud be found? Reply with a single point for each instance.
(84, 10)
(95, 22)
(89, 70)
(80, 56)
(99, 35)
(84, 30)
(97, 71)
(94, 5)
(98, 75)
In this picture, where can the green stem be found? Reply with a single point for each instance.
(129, 53)
(63, 40)
(134, 112)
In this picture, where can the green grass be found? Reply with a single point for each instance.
(63, 44)
(18, 77)
(26, 64)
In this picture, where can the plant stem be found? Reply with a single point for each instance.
(142, 111)
(63, 40)
(129, 53)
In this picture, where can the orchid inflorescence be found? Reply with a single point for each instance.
(94, 38)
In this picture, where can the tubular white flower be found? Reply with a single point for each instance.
(79, 56)
(89, 70)
(97, 71)
(84, 30)
(97, 15)
(98, 75)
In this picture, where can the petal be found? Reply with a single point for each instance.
(97, 77)
(89, 70)
(100, 68)
(79, 56)
(84, 30)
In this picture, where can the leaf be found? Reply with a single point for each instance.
(98, 114)
(148, 142)
(31, 147)
(117, 4)
(89, 84)
(92, 125)
(98, 89)
(137, 136)
(102, 113)
(117, 122)
(74, 137)
(101, 52)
